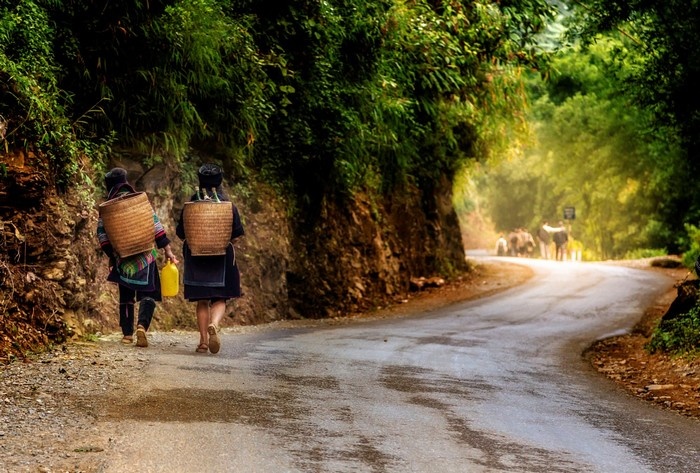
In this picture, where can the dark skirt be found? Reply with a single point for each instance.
(211, 277)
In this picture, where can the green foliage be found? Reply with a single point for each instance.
(692, 242)
(663, 81)
(316, 142)
(592, 149)
(30, 99)
(211, 86)
(90, 338)
(167, 74)
(387, 92)
(508, 189)
(322, 98)
(678, 336)
(460, 79)
(641, 253)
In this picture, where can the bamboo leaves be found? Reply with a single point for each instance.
(325, 97)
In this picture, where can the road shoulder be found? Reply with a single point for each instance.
(669, 382)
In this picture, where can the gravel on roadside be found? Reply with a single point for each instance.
(45, 404)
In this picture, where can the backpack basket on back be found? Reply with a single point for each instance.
(128, 221)
(208, 226)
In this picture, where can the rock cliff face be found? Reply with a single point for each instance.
(365, 254)
(353, 257)
(47, 257)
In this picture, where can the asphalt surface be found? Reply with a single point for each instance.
(492, 385)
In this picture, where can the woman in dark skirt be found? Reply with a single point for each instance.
(210, 281)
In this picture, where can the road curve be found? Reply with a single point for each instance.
(492, 385)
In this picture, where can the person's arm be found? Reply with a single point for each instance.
(554, 229)
(162, 241)
(237, 230)
(169, 254)
(105, 244)
(180, 229)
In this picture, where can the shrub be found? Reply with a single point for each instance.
(678, 336)
(641, 253)
(693, 242)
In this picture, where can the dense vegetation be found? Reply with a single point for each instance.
(320, 97)
(679, 336)
(592, 149)
(615, 134)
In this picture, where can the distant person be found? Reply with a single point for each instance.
(136, 275)
(527, 243)
(561, 238)
(514, 242)
(501, 245)
(544, 239)
(211, 280)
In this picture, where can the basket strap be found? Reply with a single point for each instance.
(206, 194)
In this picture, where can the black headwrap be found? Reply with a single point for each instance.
(210, 176)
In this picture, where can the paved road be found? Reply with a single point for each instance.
(493, 385)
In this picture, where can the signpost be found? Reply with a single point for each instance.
(569, 213)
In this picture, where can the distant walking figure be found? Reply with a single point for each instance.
(561, 237)
(544, 240)
(501, 246)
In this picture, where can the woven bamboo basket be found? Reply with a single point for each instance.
(208, 226)
(128, 221)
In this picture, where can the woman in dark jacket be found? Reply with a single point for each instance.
(211, 280)
(136, 275)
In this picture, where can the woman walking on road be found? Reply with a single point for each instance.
(211, 280)
(136, 275)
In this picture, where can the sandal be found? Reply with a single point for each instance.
(214, 341)
(141, 340)
(127, 339)
(202, 348)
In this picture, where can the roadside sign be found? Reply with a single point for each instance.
(569, 213)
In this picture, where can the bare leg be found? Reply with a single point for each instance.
(203, 321)
(218, 309)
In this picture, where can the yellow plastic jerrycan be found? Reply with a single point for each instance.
(169, 280)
